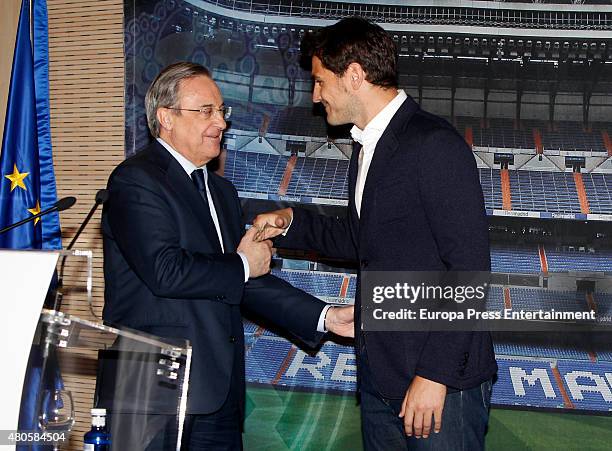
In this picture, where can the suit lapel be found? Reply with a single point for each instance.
(186, 190)
(385, 148)
(352, 181)
(221, 205)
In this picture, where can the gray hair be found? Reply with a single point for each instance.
(163, 92)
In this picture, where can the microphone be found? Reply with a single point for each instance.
(61, 205)
(101, 197)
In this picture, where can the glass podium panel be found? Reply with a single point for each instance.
(140, 379)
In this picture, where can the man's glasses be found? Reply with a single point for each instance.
(207, 111)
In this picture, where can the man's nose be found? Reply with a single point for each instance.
(219, 118)
(316, 94)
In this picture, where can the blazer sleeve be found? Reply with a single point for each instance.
(329, 236)
(290, 308)
(452, 197)
(142, 224)
(450, 190)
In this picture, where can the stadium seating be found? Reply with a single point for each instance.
(586, 384)
(515, 259)
(578, 261)
(512, 388)
(544, 191)
(536, 299)
(319, 177)
(490, 180)
(316, 283)
(526, 350)
(255, 172)
(572, 136)
(599, 192)
(495, 299)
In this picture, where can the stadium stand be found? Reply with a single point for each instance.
(495, 299)
(599, 191)
(316, 283)
(560, 260)
(544, 191)
(526, 382)
(255, 172)
(566, 135)
(501, 133)
(536, 299)
(319, 177)
(587, 385)
(490, 180)
(526, 350)
(433, 15)
(515, 259)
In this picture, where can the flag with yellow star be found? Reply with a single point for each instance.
(27, 180)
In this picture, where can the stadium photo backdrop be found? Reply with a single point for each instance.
(530, 89)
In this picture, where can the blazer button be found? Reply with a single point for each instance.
(232, 339)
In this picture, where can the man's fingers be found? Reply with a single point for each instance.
(280, 222)
(404, 405)
(437, 420)
(417, 424)
(252, 232)
(427, 423)
(408, 421)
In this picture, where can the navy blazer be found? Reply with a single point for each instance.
(165, 273)
(422, 210)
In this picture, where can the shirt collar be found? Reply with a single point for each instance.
(379, 123)
(187, 165)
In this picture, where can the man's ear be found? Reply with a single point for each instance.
(165, 118)
(356, 75)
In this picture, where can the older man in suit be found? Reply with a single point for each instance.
(177, 263)
(415, 204)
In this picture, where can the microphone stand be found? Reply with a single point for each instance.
(101, 197)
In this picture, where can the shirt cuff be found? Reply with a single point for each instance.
(285, 234)
(321, 324)
(245, 265)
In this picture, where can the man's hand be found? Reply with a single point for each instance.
(341, 321)
(257, 253)
(424, 399)
(273, 223)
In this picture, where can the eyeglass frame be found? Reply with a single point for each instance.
(225, 110)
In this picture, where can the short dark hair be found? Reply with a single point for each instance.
(353, 40)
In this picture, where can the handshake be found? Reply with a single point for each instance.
(256, 245)
(257, 248)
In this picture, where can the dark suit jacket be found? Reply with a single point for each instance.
(165, 273)
(422, 210)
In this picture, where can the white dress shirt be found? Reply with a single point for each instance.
(189, 167)
(369, 137)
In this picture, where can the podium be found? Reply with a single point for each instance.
(141, 379)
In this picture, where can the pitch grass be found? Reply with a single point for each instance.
(290, 420)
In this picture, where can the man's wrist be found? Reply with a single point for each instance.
(321, 325)
(290, 210)
(245, 265)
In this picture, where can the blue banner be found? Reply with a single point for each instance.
(27, 183)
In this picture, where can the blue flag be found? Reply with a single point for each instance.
(27, 180)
